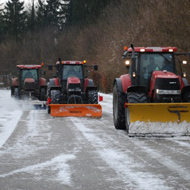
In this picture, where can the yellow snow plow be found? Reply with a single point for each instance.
(76, 110)
(158, 118)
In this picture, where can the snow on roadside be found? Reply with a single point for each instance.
(106, 103)
(10, 115)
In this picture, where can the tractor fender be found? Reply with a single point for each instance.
(42, 82)
(54, 82)
(184, 80)
(123, 82)
(119, 84)
(15, 82)
(88, 84)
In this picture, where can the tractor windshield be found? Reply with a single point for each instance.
(29, 73)
(72, 71)
(150, 62)
(157, 61)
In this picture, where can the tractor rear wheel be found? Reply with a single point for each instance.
(42, 94)
(118, 108)
(92, 97)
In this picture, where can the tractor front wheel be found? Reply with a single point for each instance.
(55, 96)
(92, 97)
(133, 97)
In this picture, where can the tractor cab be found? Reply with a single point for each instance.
(145, 63)
(71, 75)
(29, 83)
(29, 76)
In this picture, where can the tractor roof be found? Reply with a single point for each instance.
(153, 49)
(29, 66)
(71, 62)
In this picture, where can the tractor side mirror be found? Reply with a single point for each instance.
(95, 67)
(50, 67)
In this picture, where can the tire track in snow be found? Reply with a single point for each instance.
(158, 155)
(122, 164)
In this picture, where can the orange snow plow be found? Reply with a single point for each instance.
(71, 93)
(76, 110)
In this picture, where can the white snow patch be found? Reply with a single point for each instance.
(176, 129)
(10, 115)
(57, 164)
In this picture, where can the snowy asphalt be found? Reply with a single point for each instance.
(39, 152)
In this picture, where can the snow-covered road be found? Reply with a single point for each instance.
(38, 152)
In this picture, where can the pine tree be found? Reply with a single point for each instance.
(1, 25)
(31, 21)
(14, 18)
(85, 12)
(51, 14)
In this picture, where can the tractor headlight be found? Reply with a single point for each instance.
(168, 92)
(127, 62)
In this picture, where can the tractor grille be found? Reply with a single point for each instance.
(74, 89)
(167, 84)
(29, 86)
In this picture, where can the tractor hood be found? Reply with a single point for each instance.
(73, 85)
(73, 80)
(29, 84)
(163, 74)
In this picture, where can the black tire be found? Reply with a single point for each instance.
(48, 109)
(186, 97)
(43, 94)
(17, 94)
(48, 91)
(92, 97)
(133, 97)
(118, 108)
(55, 96)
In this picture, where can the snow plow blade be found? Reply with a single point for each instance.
(76, 110)
(159, 118)
(32, 104)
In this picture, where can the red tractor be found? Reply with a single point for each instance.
(71, 93)
(154, 90)
(29, 84)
